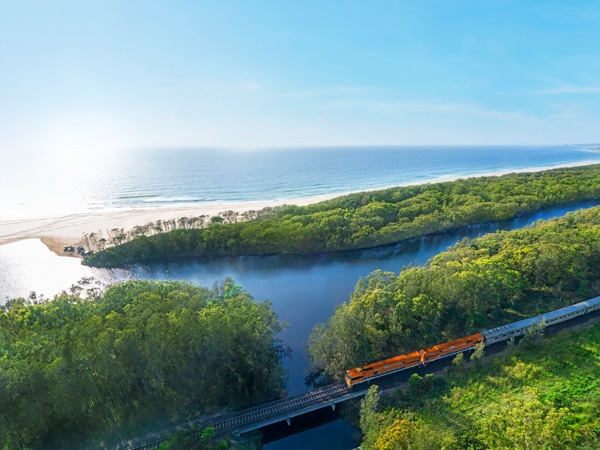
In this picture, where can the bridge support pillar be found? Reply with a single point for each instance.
(333, 407)
(289, 421)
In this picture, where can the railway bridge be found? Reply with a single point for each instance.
(329, 396)
(286, 409)
(263, 415)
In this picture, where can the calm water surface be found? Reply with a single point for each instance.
(304, 290)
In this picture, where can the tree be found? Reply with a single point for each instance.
(398, 435)
(369, 418)
(459, 361)
(525, 422)
(139, 352)
(535, 332)
(478, 352)
(207, 434)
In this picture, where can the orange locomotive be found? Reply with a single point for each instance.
(417, 358)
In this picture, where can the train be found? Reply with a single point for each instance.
(502, 333)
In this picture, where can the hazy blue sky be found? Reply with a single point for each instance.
(87, 75)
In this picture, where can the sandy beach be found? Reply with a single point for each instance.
(69, 229)
(56, 232)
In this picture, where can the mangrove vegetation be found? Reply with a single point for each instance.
(357, 221)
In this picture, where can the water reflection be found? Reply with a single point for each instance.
(29, 266)
(331, 435)
(306, 290)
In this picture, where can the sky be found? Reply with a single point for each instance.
(86, 77)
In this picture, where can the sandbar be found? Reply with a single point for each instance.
(59, 231)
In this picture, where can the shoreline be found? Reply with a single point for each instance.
(68, 229)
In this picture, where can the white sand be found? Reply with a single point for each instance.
(57, 232)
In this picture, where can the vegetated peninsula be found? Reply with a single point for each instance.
(80, 372)
(476, 285)
(364, 220)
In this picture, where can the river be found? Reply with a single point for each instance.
(304, 291)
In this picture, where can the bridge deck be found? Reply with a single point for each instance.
(285, 409)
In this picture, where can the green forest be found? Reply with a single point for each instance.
(142, 354)
(475, 285)
(363, 220)
(77, 371)
(540, 395)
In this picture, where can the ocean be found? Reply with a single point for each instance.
(178, 177)
(168, 177)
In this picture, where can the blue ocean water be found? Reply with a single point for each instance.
(175, 176)
(167, 177)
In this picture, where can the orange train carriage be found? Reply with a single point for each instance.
(498, 334)
(416, 358)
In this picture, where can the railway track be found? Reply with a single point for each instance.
(279, 409)
(287, 408)
(269, 413)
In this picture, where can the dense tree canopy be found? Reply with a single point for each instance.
(367, 219)
(73, 369)
(476, 285)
